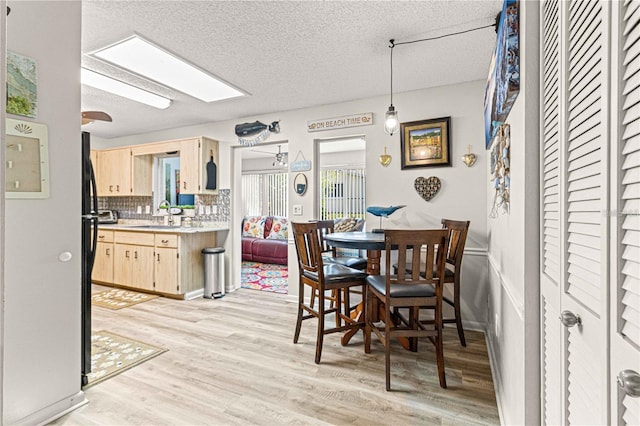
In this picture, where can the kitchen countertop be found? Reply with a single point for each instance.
(164, 229)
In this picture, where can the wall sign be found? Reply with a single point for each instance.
(355, 120)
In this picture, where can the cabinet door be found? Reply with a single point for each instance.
(123, 264)
(114, 172)
(190, 166)
(142, 267)
(166, 270)
(103, 265)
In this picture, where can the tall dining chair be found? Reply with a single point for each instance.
(331, 255)
(408, 291)
(321, 277)
(458, 230)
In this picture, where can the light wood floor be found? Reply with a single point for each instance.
(232, 361)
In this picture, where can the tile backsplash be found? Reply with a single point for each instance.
(127, 207)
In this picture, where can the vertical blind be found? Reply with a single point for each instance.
(265, 194)
(342, 193)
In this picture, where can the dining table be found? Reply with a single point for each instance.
(373, 243)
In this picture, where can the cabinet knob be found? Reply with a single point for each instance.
(108, 252)
(126, 254)
(117, 188)
(101, 237)
(165, 241)
(184, 185)
(158, 257)
(135, 254)
(110, 188)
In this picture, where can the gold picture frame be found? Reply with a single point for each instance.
(426, 143)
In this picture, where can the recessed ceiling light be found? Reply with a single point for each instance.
(144, 58)
(108, 84)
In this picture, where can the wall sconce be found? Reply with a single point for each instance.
(469, 159)
(385, 159)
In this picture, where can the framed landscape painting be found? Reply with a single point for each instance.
(503, 83)
(22, 85)
(425, 143)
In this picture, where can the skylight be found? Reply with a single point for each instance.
(142, 57)
(108, 84)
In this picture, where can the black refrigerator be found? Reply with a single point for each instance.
(89, 242)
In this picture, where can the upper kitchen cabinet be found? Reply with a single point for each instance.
(120, 173)
(199, 166)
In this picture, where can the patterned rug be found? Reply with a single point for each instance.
(117, 298)
(265, 276)
(112, 354)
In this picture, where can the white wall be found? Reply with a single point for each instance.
(513, 330)
(42, 302)
(463, 189)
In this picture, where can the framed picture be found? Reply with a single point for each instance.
(27, 160)
(425, 143)
(503, 83)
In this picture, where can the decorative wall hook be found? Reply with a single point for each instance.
(385, 159)
(469, 159)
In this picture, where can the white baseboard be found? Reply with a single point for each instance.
(495, 376)
(54, 411)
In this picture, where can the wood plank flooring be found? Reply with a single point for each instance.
(232, 361)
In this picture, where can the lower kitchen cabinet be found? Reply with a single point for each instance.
(103, 263)
(170, 264)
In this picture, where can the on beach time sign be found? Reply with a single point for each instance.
(364, 119)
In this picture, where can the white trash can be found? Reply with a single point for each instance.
(213, 272)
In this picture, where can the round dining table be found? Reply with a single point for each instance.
(372, 242)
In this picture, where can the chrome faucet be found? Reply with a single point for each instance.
(164, 203)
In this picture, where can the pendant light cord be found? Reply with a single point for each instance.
(438, 37)
(391, 46)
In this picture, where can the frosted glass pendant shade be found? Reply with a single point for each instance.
(391, 123)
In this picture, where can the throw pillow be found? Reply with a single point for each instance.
(253, 226)
(279, 229)
(347, 225)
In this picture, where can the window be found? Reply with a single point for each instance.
(265, 194)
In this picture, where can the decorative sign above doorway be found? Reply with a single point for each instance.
(355, 120)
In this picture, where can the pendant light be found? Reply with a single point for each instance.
(391, 123)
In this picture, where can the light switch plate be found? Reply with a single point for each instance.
(297, 209)
(147, 210)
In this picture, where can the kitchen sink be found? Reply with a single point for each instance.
(154, 226)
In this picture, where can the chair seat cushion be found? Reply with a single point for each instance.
(359, 263)
(334, 272)
(377, 282)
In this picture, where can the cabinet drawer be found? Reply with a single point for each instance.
(105, 236)
(136, 238)
(167, 240)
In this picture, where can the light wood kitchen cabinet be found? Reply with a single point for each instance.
(120, 173)
(195, 153)
(133, 260)
(103, 263)
(161, 262)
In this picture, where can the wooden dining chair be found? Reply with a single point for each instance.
(458, 230)
(331, 255)
(408, 291)
(321, 277)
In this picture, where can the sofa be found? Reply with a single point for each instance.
(265, 239)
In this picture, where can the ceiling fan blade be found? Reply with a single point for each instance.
(91, 116)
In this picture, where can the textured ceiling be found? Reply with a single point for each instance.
(286, 55)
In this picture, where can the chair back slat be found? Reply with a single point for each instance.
(457, 239)
(305, 236)
(326, 227)
(419, 245)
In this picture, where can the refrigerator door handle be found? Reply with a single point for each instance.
(94, 217)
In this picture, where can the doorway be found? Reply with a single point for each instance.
(264, 217)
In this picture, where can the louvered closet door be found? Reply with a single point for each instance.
(625, 296)
(585, 194)
(551, 329)
(574, 170)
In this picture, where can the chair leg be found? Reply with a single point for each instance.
(414, 315)
(368, 315)
(387, 348)
(320, 337)
(312, 299)
(440, 347)
(456, 308)
(337, 303)
(296, 334)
